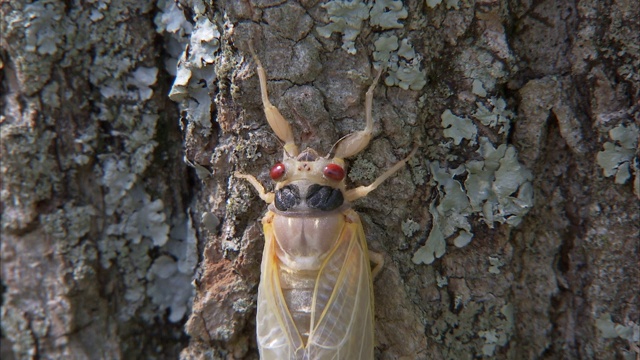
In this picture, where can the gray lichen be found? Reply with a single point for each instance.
(345, 17)
(28, 175)
(497, 115)
(194, 48)
(609, 329)
(170, 275)
(496, 321)
(409, 227)
(451, 4)
(387, 13)
(401, 62)
(88, 72)
(497, 188)
(618, 155)
(458, 128)
(362, 170)
(449, 215)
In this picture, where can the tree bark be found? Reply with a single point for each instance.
(511, 234)
(92, 180)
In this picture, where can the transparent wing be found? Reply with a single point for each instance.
(342, 309)
(342, 315)
(278, 338)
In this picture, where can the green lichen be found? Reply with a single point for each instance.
(69, 223)
(170, 275)
(433, 3)
(193, 50)
(123, 226)
(451, 4)
(406, 51)
(495, 320)
(617, 158)
(636, 182)
(418, 171)
(138, 221)
(435, 246)
(495, 264)
(478, 88)
(463, 239)
(385, 45)
(41, 33)
(146, 220)
(610, 330)
(50, 95)
(458, 128)
(171, 19)
(29, 173)
(497, 188)
(400, 61)
(202, 172)
(386, 13)
(362, 170)
(345, 17)
(409, 227)
(210, 221)
(496, 115)
(441, 280)
(498, 336)
(449, 215)
(483, 66)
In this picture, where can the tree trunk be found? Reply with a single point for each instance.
(511, 234)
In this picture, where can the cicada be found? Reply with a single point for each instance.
(315, 298)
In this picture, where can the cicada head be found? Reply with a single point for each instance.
(308, 182)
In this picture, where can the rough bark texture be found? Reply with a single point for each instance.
(92, 178)
(113, 248)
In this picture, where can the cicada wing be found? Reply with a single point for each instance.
(278, 338)
(342, 318)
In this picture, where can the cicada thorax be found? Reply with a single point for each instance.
(308, 219)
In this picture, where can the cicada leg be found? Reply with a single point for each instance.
(362, 191)
(278, 123)
(355, 142)
(378, 262)
(265, 196)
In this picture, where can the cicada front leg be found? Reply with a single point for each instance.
(278, 123)
(362, 191)
(357, 141)
(265, 196)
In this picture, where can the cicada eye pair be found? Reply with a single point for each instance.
(331, 171)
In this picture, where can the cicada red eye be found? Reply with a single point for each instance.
(333, 172)
(277, 171)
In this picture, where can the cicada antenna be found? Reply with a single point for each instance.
(332, 151)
